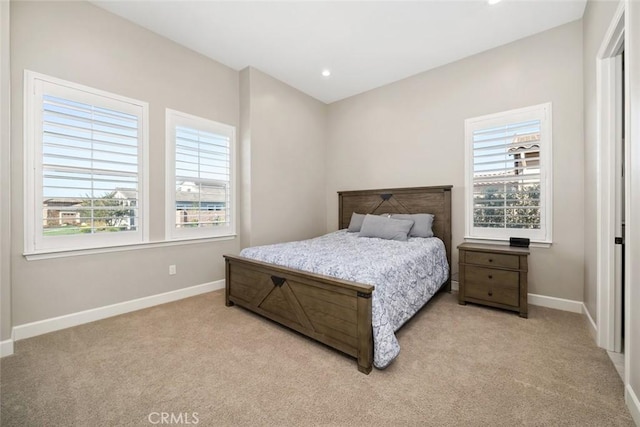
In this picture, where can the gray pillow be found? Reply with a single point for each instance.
(422, 224)
(385, 228)
(356, 222)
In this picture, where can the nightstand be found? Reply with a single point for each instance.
(493, 275)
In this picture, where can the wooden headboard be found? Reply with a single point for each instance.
(433, 200)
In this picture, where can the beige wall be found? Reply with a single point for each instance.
(5, 175)
(283, 149)
(596, 20)
(411, 133)
(244, 149)
(79, 42)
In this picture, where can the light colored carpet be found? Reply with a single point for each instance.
(459, 366)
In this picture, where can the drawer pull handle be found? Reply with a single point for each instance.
(490, 293)
(490, 260)
(490, 276)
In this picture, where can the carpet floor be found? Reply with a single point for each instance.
(197, 362)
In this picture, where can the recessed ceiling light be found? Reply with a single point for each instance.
(326, 73)
(493, 1)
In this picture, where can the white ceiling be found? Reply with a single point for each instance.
(364, 44)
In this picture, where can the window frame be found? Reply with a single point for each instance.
(175, 118)
(35, 86)
(543, 236)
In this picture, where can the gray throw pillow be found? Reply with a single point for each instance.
(356, 222)
(385, 228)
(422, 226)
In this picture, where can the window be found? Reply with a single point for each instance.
(200, 185)
(508, 174)
(85, 152)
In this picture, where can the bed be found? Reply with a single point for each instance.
(336, 312)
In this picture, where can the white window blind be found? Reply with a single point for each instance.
(89, 166)
(508, 157)
(85, 152)
(201, 173)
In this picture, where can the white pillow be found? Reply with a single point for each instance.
(422, 224)
(385, 228)
(356, 222)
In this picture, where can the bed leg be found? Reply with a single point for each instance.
(227, 282)
(365, 333)
(364, 369)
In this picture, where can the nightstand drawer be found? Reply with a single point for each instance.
(490, 276)
(498, 286)
(492, 259)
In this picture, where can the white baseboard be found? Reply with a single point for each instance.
(544, 301)
(631, 399)
(6, 348)
(593, 328)
(557, 303)
(33, 329)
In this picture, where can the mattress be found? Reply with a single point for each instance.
(405, 275)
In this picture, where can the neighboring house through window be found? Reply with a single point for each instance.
(508, 175)
(200, 184)
(85, 156)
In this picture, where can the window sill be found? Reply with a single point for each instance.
(505, 242)
(63, 253)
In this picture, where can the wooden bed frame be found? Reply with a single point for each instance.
(333, 311)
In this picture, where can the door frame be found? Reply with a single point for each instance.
(607, 72)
